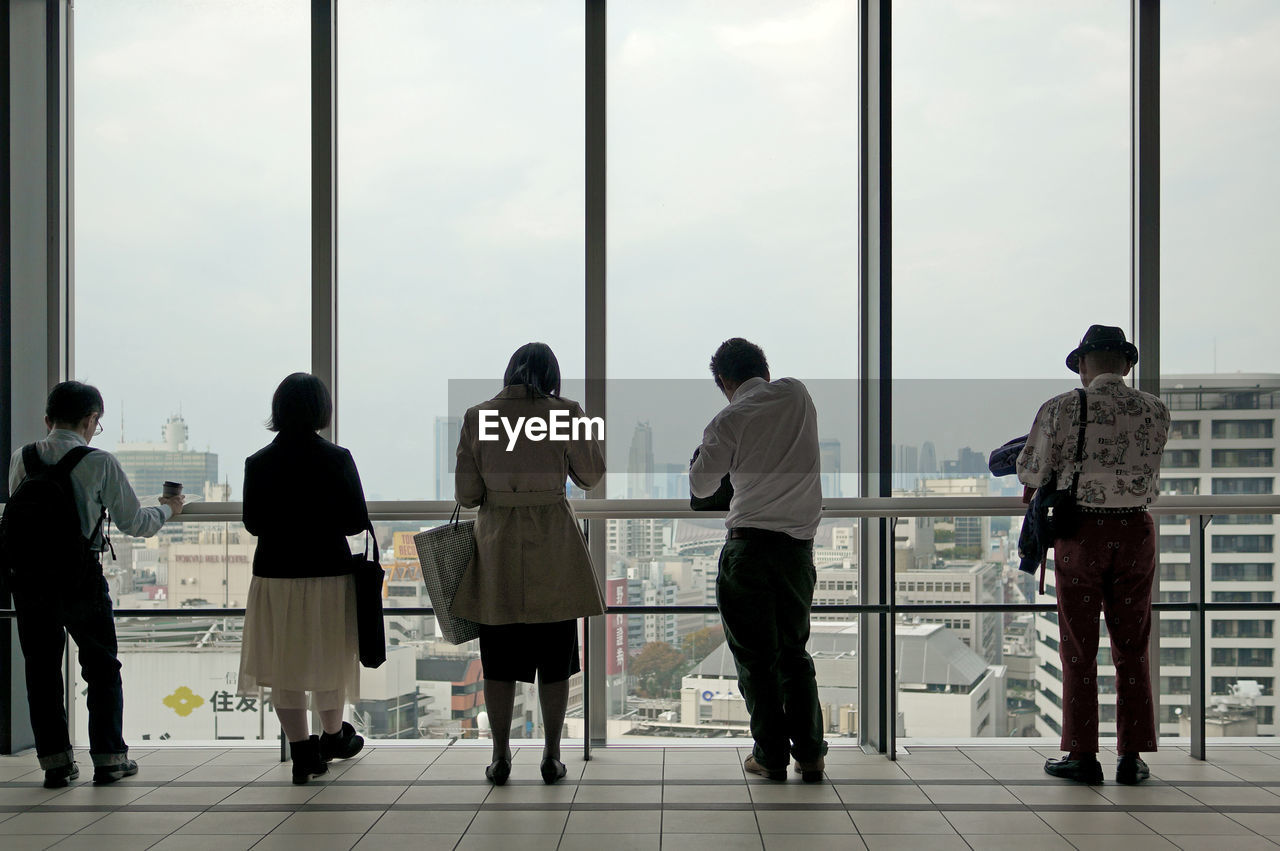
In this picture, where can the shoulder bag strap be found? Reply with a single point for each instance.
(370, 534)
(1079, 459)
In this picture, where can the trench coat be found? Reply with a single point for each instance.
(531, 563)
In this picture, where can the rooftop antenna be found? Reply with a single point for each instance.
(1215, 355)
(122, 422)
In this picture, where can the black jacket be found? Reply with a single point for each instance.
(302, 498)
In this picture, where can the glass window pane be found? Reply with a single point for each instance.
(670, 674)
(192, 260)
(1218, 182)
(461, 218)
(1010, 219)
(733, 138)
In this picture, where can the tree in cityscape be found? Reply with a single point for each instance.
(698, 645)
(657, 669)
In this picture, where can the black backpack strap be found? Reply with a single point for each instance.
(1084, 418)
(68, 462)
(31, 463)
(63, 468)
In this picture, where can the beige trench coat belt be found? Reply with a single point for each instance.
(517, 499)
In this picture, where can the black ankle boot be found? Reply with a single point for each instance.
(343, 744)
(307, 764)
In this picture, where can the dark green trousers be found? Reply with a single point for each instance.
(765, 591)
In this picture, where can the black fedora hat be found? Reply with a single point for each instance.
(1102, 338)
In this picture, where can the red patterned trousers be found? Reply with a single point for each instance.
(1108, 565)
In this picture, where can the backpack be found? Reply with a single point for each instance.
(41, 522)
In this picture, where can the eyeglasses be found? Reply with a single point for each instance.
(98, 430)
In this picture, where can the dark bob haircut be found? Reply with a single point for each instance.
(70, 402)
(301, 403)
(737, 360)
(535, 365)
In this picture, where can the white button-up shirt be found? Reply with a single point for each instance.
(1124, 441)
(97, 481)
(766, 439)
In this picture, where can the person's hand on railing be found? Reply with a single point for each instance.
(175, 503)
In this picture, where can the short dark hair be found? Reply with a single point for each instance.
(535, 365)
(71, 401)
(301, 403)
(737, 360)
(1108, 360)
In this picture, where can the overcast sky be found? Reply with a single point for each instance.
(732, 205)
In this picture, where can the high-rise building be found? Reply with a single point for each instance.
(448, 430)
(640, 463)
(149, 465)
(928, 459)
(1222, 440)
(829, 452)
(671, 481)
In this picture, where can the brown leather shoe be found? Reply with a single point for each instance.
(757, 767)
(810, 771)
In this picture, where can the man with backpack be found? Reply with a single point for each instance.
(51, 543)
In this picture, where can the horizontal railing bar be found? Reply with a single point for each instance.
(187, 613)
(671, 509)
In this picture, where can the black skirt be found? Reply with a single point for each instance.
(518, 651)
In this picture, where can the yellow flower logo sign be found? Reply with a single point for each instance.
(184, 701)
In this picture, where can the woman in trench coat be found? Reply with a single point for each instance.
(531, 576)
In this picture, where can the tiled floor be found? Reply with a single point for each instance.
(431, 798)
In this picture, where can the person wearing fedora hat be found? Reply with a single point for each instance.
(1107, 560)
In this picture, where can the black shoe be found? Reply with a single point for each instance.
(307, 764)
(498, 771)
(1131, 770)
(552, 770)
(343, 744)
(1080, 770)
(111, 773)
(56, 778)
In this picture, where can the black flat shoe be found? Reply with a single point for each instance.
(1080, 770)
(552, 770)
(498, 771)
(343, 744)
(307, 764)
(1131, 770)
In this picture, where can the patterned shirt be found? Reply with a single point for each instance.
(1124, 440)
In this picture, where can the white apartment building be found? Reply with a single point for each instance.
(945, 690)
(952, 583)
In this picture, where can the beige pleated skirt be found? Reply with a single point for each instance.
(300, 636)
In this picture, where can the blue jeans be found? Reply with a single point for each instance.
(764, 592)
(48, 608)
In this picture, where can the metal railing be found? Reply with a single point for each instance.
(1199, 509)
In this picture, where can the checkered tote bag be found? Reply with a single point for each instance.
(444, 554)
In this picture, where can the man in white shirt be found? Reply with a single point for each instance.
(55, 599)
(766, 440)
(1108, 561)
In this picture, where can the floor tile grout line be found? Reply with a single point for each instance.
(662, 801)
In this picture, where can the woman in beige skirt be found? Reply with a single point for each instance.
(302, 498)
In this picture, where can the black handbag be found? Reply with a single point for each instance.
(1061, 516)
(370, 627)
